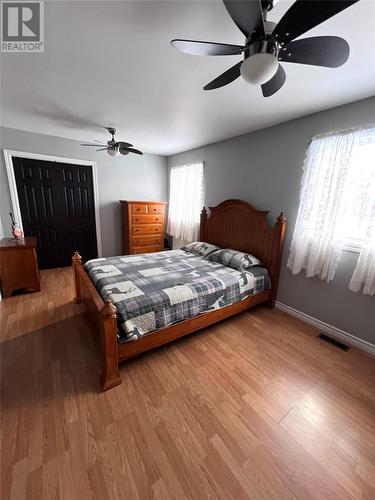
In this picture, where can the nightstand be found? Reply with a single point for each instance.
(18, 265)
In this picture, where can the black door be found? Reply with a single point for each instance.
(57, 206)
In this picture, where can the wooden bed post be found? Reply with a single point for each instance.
(110, 375)
(202, 232)
(276, 254)
(77, 262)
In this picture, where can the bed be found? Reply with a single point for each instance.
(140, 302)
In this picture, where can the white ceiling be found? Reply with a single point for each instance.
(111, 64)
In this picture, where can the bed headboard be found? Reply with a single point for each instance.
(237, 224)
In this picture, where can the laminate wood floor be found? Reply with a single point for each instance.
(254, 407)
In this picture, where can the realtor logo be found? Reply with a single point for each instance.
(22, 26)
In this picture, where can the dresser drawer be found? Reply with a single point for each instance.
(147, 219)
(139, 209)
(147, 229)
(148, 249)
(141, 241)
(155, 209)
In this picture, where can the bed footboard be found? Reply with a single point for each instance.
(104, 321)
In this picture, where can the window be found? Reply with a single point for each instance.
(337, 207)
(185, 201)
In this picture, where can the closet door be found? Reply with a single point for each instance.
(57, 206)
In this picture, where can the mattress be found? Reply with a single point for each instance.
(155, 290)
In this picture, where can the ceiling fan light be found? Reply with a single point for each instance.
(113, 152)
(259, 68)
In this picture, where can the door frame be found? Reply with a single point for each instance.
(8, 157)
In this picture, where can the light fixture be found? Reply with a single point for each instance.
(113, 151)
(260, 63)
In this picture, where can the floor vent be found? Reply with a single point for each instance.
(334, 342)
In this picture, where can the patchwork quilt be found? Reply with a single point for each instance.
(152, 291)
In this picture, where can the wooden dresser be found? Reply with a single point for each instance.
(18, 265)
(143, 226)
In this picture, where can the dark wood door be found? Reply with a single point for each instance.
(57, 206)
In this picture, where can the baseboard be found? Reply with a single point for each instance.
(329, 329)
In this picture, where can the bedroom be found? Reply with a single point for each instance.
(276, 413)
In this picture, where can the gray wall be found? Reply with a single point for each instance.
(128, 177)
(265, 168)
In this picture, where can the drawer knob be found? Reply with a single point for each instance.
(138, 209)
(136, 230)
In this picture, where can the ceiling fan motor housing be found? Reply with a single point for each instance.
(261, 57)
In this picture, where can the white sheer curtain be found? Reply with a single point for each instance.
(317, 243)
(364, 273)
(332, 199)
(185, 201)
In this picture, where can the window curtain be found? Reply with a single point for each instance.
(185, 201)
(364, 273)
(320, 229)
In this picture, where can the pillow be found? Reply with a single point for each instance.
(200, 248)
(234, 258)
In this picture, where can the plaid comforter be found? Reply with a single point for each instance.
(152, 291)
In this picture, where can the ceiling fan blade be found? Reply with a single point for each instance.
(328, 51)
(96, 145)
(227, 77)
(102, 149)
(130, 150)
(304, 15)
(277, 81)
(247, 15)
(196, 47)
(121, 144)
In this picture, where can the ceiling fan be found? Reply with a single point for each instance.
(113, 147)
(267, 44)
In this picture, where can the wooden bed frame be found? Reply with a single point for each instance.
(231, 224)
